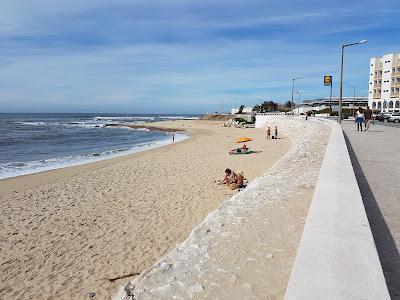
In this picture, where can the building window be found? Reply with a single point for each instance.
(373, 105)
(379, 104)
(390, 104)
(397, 105)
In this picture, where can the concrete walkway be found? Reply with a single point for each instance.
(375, 157)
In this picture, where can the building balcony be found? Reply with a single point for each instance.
(396, 63)
(394, 95)
(377, 97)
(396, 74)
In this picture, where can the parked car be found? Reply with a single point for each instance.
(395, 117)
(383, 117)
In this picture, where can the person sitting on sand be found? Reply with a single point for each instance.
(239, 182)
(244, 147)
(230, 177)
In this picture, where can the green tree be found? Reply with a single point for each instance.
(289, 104)
(269, 106)
(257, 108)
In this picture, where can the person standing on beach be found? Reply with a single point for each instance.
(276, 132)
(359, 118)
(269, 133)
(368, 117)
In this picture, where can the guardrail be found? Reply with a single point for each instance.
(337, 257)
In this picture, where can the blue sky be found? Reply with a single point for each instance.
(183, 56)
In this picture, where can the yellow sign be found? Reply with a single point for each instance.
(328, 80)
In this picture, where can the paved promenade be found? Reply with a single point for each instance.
(376, 160)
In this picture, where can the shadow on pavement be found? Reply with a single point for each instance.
(385, 244)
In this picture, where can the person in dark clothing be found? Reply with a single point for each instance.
(367, 117)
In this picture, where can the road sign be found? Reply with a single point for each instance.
(328, 80)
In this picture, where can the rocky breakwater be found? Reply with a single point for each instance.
(148, 126)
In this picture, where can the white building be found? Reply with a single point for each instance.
(384, 83)
(325, 103)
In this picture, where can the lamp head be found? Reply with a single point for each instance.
(363, 41)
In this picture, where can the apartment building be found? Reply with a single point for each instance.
(384, 83)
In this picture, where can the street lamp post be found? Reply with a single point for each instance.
(341, 76)
(354, 95)
(293, 79)
(298, 103)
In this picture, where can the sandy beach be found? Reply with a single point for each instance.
(245, 249)
(68, 232)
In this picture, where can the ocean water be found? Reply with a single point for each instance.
(31, 143)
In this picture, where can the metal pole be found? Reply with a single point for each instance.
(354, 98)
(341, 88)
(298, 103)
(330, 98)
(341, 76)
(291, 103)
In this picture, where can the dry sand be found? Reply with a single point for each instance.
(246, 248)
(67, 232)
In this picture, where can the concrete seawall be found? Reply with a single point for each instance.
(337, 257)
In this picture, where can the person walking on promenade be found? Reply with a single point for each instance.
(269, 133)
(359, 118)
(368, 117)
(276, 132)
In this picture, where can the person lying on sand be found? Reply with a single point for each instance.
(239, 182)
(230, 177)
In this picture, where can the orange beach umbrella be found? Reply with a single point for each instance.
(244, 140)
